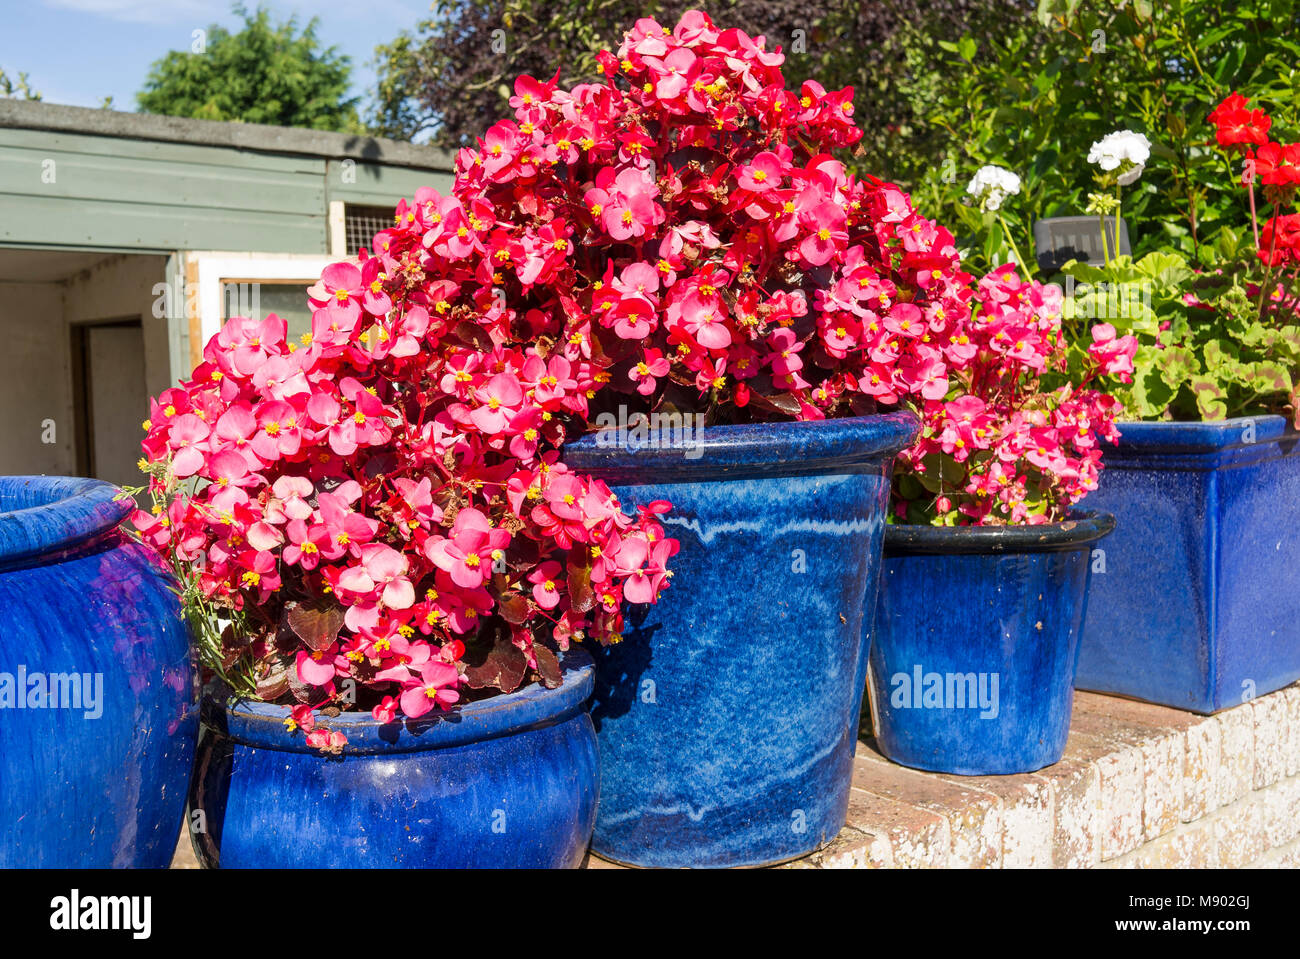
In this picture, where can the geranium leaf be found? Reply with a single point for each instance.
(1210, 398)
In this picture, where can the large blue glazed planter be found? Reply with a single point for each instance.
(98, 700)
(975, 643)
(506, 782)
(1196, 598)
(727, 716)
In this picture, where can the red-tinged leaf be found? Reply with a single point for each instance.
(862, 405)
(513, 607)
(761, 401)
(608, 349)
(503, 669)
(233, 640)
(548, 666)
(317, 625)
(273, 683)
(473, 335)
(581, 596)
(786, 403)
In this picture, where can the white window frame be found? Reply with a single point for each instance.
(217, 269)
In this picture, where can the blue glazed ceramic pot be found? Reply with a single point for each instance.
(727, 717)
(1196, 599)
(975, 643)
(506, 782)
(98, 700)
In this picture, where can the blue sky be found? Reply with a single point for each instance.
(79, 51)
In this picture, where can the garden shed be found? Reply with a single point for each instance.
(126, 240)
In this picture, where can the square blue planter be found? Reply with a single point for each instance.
(1195, 598)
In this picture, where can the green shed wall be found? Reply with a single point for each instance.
(140, 194)
(73, 190)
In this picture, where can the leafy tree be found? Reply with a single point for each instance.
(452, 76)
(16, 89)
(264, 73)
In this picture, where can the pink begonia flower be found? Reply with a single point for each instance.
(382, 569)
(327, 740)
(305, 545)
(278, 434)
(762, 174)
(301, 717)
(434, 687)
(187, 439)
(499, 399)
(291, 494)
(399, 656)
(647, 371)
(229, 468)
(316, 667)
(385, 711)
(672, 74)
(1114, 354)
(343, 283)
(467, 554)
(545, 591)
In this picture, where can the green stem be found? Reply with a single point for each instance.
(1119, 207)
(1254, 219)
(1020, 262)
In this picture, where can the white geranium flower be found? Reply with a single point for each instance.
(1124, 151)
(992, 184)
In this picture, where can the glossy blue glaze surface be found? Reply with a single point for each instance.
(975, 643)
(98, 780)
(727, 717)
(506, 782)
(1198, 606)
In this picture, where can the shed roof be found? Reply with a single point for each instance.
(39, 115)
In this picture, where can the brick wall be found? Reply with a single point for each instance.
(1139, 786)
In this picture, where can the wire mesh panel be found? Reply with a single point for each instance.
(361, 223)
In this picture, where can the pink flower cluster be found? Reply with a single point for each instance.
(385, 502)
(404, 490)
(1002, 448)
(684, 226)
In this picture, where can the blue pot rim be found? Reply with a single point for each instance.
(261, 725)
(1143, 437)
(779, 448)
(1077, 532)
(74, 513)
